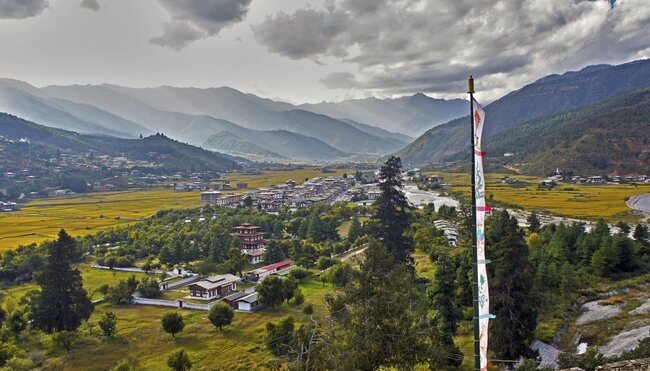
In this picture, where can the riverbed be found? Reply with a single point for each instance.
(418, 197)
(640, 202)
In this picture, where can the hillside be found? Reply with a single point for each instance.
(609, 137)
(549, 95)
(45, 142)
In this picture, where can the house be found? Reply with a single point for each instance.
(255, 257)
(242, 185)
(213, 287)
(232, 299)
(596, 180)
(210, 197)
(249, 303)
(547, 183)
(8, 206)
(268, 270)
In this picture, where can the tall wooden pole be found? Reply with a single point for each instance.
(477, 348)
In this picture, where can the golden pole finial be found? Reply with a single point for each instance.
(470, 84)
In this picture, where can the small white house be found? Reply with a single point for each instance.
(249, 303)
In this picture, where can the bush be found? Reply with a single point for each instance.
(108, 324)
(324, 262)
(179, 361)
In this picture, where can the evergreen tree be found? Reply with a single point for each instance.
(641, 233)
(511, 290)
(279, 335)
(441, 296)
(533, 222)
(62, 303)
(315, 228)
(236, 261)
(274, 252)
(392, 213)
(355, 230)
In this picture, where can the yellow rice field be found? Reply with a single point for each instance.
(579, 201)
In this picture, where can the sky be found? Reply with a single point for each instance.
(314, 50)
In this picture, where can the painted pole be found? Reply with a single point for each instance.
(477, 348)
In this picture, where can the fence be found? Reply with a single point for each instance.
(181, 304)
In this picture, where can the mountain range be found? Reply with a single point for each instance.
(22, 141)
(227, 120)
(546, 96)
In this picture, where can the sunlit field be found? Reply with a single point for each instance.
(570, 200)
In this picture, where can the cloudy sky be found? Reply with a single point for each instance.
(314, 50)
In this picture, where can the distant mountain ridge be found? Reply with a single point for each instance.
(546, 96)
(410, 115)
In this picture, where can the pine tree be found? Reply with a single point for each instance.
(274, 252)
(533, 222)
(511, 288)
(355, 230)
(392, 213)
(641, 233)
(315, 229)
(62, 303)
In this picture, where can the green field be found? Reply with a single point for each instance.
(579, 201)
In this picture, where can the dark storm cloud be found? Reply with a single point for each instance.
(401, 46)
(197, 19)
(18, 9)
(90, 5)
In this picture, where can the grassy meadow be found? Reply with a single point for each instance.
(142, 341)
(570, 200)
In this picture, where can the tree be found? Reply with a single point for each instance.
(221, 315)
(120, 294)
(271, 291)
(513, 300)
(325, 262)
(308, 309)
(339, 275)
(16, 322)
(3, 315)
(298, 273)
(441, 296)
(274, 252)
(356, 230)
(179, 361)
(236, 261)
(383, 327)
(392, 212)
(298, 296)
(65, 339)
(533, 222)
(172, 323)
(315, 228)
(624, 227)
(279, 335)
(149, 288)
(290, 286)
(641, 233)
(248, 201)
(108, 324)
(62, 303)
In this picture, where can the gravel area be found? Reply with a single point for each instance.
(624, 341)
(596, 312)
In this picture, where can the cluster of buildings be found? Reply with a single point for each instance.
(552, 181)
(290, 194)
(224, 287)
